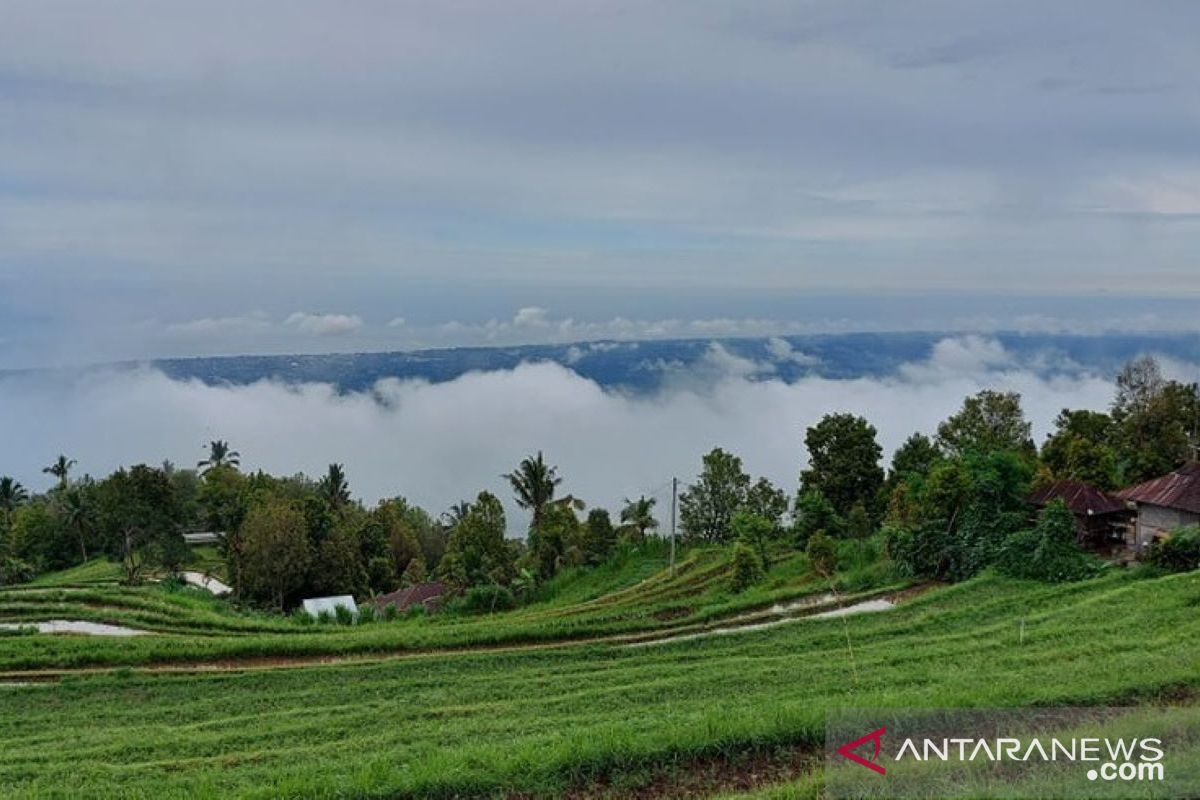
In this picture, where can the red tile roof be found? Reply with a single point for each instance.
(1079, 497)
(405, 598)
(1178, 490)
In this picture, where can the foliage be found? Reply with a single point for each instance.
(599, 537)
(1049, 552)
(333, 487)
(486, 599)
(815, 513)
(138, 518)
(476, 553)
(822, 553)
(843, 462)
(534, 483)
(913, 459)
(756, 532)
(1153, 418)
(746, 567)
(765, 500)
(14, 570)
(1081, 449)
(707, 507)
(988, 422)
(638, 516)
(220, 456)
(339, 568)
(276, 551)
(1180, 552)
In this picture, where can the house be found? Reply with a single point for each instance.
(316, 606)
(1101, 519)
(429, 595)
(1164, 504)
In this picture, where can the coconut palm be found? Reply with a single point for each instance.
(61, 469)
(219, 455)
(77, 514)
(456, 514)
(533, 484)
(12, 495)
(334, 487)
(639, 514)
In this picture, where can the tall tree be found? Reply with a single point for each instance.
(276, 551)
(988, 422)
(1081, 449)
(334, 487)
(600, 537)
(139, 518)
(12, 495)
(707, 507)
(534, 483)
(60, 469)
(1155, 421)
(914, 458)
(78, 515)
(843, 462)
(638, 515)
(476, 553)
(220, 455)
(768, 502)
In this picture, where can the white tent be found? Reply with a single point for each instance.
(315, 605)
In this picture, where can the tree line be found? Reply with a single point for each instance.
(949, 505)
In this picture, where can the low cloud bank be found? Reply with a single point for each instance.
(439, 443)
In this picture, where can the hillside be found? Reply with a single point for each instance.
(595, 716)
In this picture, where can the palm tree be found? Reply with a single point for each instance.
(12, 495)
(76, 513)
(456, 514)
(639, 514)
(60, 469)
(219, 455)
(334, 487)
(533, 483)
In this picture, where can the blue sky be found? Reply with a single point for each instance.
(217, 177)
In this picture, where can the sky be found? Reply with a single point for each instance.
(223, 177)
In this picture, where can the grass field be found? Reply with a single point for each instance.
(593, 718)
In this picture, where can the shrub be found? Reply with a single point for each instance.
(484, 600)
(1049, 552)
(14, 570)
(1178, 553)
(822, 553)
(343, 615)
(747, 567)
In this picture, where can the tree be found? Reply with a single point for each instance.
(220, 455)
(12, 495)
(1081, 449)
(858, 523)
(815, 514)
(913, 459)
(766, 501)
(334, 488)
(600, 537)
(76, 509)
(755, 532)
(1049, 552)
(988, 422)
(843, 462)
(534, 483)
(339, 567)
(276, 552)
(558, 541)
(1155, 421)
(137, 512)
(707, 507)
(476, 553)
(822, 555)
(60, 469)
(638, 515)
(745, 567)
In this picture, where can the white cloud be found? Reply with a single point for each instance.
(397, 322)
(219, 326)
(440, 442)
(531, 317)
(324, 324)
(781, 350)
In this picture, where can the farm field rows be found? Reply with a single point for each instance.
(592, 718)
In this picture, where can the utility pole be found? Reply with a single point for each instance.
(674, 500)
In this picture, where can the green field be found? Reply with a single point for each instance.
(434, 713)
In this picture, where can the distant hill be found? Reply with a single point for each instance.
(641, 366)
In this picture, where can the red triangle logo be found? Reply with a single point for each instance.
(847, 750)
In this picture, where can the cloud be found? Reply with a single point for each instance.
(219, 326)
(325, 324)
(781, 350)
(397, 322)
(530, 317)
(440, 442)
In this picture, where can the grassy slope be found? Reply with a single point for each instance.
(540, 720)
(633, 593)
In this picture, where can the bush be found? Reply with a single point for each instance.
(484, 600)
(1049, 552)
(822, 553)
(14, 570)
(343, 615)
(1178, 553)
(747, 567)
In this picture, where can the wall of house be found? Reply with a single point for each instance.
(1156, 521)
